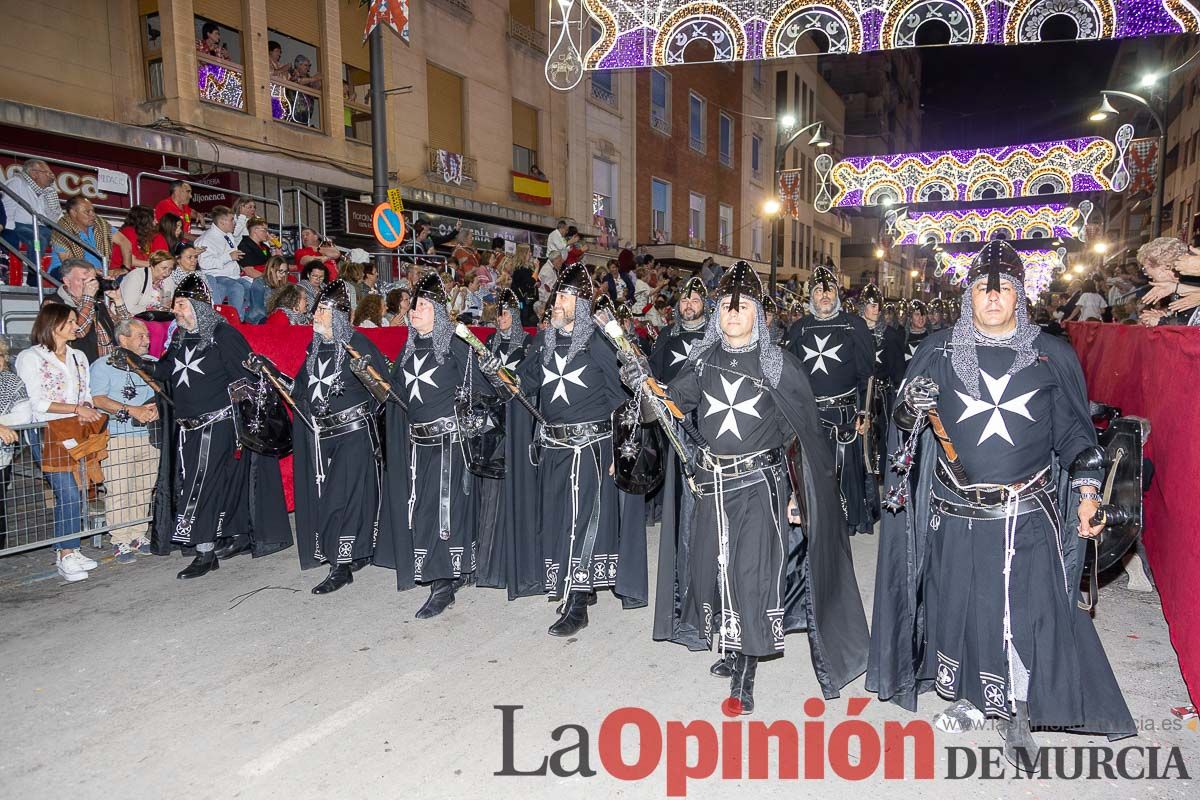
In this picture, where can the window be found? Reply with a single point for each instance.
(756, 155)
(525, 137)
(445, 98)
(524, 12)
(725, 228)
(604, 188)
(219, 75)
(152, 55)
(756, 240)
(602, 82)
(725, 133)
(696, 219)
(660, 209)
(757, 74)
(660, 101)
(696, 109)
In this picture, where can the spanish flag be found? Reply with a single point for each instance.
(531, 189)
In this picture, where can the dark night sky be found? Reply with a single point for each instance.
(995, 95)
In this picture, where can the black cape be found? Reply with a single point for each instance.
(822, 590)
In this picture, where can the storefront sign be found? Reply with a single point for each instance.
(358, 218)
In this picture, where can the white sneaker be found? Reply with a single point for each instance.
(70, 568)
(84, 561)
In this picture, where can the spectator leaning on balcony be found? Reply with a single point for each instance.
(132, 463)
(35, 185)
(178, 202)
(220, 259)
(95, 322)
(209, 43)
(57, 379)
(279, 70)
(80, 221)
(149, 288)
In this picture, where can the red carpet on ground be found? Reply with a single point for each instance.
(1153, 373)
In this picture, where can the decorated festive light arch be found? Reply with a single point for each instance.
(1046, 221)
(1041, 267)
(646, 33)
(1027, 170)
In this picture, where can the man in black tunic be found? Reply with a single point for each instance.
(431, 517)
(888, 371)
(916, 329)
(838, 354)
(337, 467)
(734, 575)
(593, 535)
(226, 500)
(674, 344)
(978, 571)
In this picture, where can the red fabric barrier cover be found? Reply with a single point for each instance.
(1154, 373)
(286, 345)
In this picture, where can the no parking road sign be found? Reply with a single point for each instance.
(389, 226)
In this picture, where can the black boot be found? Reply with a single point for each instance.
(339, 576)
(201, 565)
(1019, 747)
(234, 546)
(574, 615)
(741, 684)
(359, 563)
(724, 666)
(441, 597)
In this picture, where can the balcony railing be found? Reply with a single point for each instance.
(523, 34)
(221, 82)
(296, 104)
(696, 143)
(451, 168)
(660, 122)
(603, 94)
(726, 159)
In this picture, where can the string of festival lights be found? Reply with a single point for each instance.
(1046, 221)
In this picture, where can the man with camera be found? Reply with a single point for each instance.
(132, 462)
(81, 291)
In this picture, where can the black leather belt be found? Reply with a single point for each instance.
(966, 511)
(204, 420)
(577, 435)
(736, 466)
(847, 400)
(431, 433)
(342, 422)
(990, 494)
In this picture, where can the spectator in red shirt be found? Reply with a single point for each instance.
(177, 203)
(169, 234)
(131, 244)
(313, 249)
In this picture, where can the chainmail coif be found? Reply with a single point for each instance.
(442, 333)
(966, 337)
(581, 334)
(770, 356)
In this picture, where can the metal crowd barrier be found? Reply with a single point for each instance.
(117, 495)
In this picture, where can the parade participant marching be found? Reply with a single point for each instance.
(839, 355)
(916, 329)
(509, 556)
(675, 344)
(431, 507)
(219, 498)
(736, 575)
(888, 372)
(774, 324)
(937, 316)
(982, 549)
(337, 461)
(593, 535)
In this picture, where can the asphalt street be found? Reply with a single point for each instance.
(243, 684)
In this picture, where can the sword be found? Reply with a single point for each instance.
(125, 360)
(502, 373)
(939, 431)
(870, 457)
(373, 381)
(664, 408)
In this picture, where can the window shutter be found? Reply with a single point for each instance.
(445, 102)
(299, 19)
(525, 126)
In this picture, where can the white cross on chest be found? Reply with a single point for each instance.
(731, 407)
(995, 425)
(183, 368)
(821, 353)
(414, 379)
(678, 356)
(561, 378)
(322, 380)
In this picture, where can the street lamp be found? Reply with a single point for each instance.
(879, 252)
(1106, 110)
(771, 207)
(1100, 247)
(785, 138)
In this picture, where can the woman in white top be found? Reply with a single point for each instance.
(149, 288)
(1091, 304)
(244, 209)
(56, 378)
